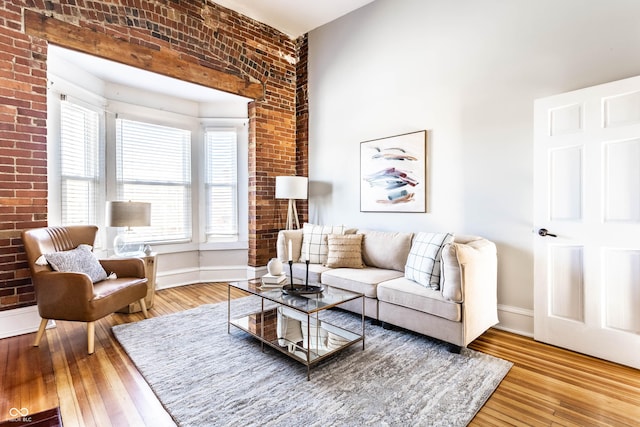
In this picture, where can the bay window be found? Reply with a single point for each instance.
(113, 151)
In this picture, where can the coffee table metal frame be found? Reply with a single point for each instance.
(310, 306)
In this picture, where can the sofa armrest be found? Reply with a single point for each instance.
(282, 244)
(478, 266)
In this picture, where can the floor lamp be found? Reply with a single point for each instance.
(292, 188)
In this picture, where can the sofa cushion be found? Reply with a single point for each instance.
(344, 251)
(363, 280)
(407, 293)
(78, 260)
(314, 241)
(385, 249)
(423, 262)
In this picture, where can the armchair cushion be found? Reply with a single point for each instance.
(78, 260)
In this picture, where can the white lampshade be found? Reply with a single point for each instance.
(128, 214)
(291, 187)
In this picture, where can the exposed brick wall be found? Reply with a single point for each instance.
(272, 152)
(23, 164)
(199, 31)
(302, 118)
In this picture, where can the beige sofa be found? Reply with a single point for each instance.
(461, 310)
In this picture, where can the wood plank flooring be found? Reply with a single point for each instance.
(547, 386)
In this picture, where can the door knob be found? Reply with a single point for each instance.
(544, 232)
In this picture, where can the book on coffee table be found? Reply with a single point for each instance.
(274, 281)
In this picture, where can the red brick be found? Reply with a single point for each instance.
(201, 32)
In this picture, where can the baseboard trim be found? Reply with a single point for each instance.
(19, 321)
(516, 320)
(188, 276)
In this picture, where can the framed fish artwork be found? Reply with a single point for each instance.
(393, 173)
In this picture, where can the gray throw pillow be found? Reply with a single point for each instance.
(78, 260)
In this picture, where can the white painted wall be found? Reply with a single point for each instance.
(468, 71)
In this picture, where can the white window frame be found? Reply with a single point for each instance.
(187, 182)
(92, 178)
(88, 100)
(108, 191)
(241, 239)
(223, 234)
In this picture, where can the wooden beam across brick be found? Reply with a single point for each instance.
(161, 61)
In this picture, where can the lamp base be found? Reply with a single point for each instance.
(124, 247)
(302, 289)
(292, 215)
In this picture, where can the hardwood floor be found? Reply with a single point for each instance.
(547, 386)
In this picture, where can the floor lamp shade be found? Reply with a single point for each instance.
(292, 188)
(128, 214)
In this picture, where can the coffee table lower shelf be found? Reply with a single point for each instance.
(296, 350)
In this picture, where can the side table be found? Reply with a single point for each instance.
(150, 268)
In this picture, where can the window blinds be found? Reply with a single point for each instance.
(79, 164)
(221, 182)
(153, 164)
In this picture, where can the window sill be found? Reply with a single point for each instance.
(221, 246)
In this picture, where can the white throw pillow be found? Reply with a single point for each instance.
(78, 260)
(423, 262)
(314, 242)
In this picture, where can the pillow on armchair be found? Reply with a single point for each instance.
(78, 260)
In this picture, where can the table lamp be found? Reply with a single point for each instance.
(128, 214)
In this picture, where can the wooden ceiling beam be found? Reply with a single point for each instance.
(163, 61)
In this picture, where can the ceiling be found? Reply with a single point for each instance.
(293, 17)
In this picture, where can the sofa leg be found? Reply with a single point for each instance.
(455, 349)
(41, 329)
(387, 326)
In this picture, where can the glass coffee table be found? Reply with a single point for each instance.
(297, 325)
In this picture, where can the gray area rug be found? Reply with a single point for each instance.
(206, 377)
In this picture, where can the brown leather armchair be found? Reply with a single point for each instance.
(72, 296)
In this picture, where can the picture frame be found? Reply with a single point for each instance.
(393, 173)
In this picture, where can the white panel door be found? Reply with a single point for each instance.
(587, 221)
